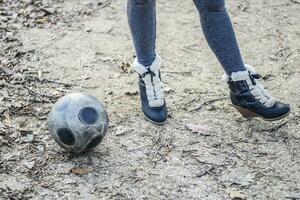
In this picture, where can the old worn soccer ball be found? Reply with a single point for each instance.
(78, 122)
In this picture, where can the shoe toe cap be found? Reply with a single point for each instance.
(278, 111)
(283, 108)
(157, 115)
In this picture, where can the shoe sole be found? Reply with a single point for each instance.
(154, 122)
(250, 114)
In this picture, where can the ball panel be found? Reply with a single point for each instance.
(62, 104)
(94, 142)
(66, 136)
(56, 122)
(88, 115)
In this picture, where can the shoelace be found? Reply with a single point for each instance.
(152, 74)
(153, 88)
(259, 92)
(254, 77)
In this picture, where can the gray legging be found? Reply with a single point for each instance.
(216, 26)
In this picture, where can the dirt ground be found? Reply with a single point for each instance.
(205, 151)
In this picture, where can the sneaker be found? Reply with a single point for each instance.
(251, 99)
(151, 92)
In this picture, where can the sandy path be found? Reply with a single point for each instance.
(228, 156)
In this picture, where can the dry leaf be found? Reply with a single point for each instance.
(81, 170)
(121, 131)
(202, 129)
(236, 195)
(131, 93)
(126, 68)
(42, 20)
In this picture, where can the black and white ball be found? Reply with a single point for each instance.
(78, 122)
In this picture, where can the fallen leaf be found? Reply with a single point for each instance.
(202, 129)
(126, 68)
(81, 170)
(121, 131)
(236, 195)
(239, 176)
(42, 20)
(131, 93)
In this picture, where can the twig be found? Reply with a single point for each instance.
(184, 73)
(293, 198)
(207, 103)
(59, 83)
(38, 116)
(50, 81)
(295, 1)
(275, 128)
(208, 163)
(37, 94)
(206, 171)
(191, 101)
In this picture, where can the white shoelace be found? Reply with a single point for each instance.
(150, 76)
(256, 89)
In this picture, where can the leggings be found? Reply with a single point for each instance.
(216, 26)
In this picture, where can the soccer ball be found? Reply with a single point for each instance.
(78, 122)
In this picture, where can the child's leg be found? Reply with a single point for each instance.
(142, 23)
(247, 94)
(219, 34)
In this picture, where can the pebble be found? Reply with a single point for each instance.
(29, 164)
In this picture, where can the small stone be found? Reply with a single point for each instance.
(168, 90)
(88, 30)
(200, 129)
(2, 82)
(29, 138)
(40, 148)
(121, 131)
(29, 164)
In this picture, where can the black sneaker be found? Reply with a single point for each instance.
(151, 92)
(251, 99)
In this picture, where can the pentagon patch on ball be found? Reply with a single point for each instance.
(78, 122)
